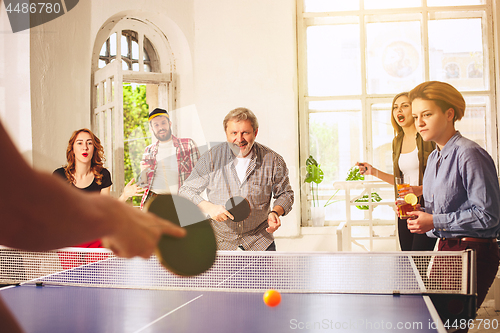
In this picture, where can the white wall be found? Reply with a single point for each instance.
(60, 76)
(15, 102)
(245, 55)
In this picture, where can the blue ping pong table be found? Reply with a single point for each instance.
(119, 295)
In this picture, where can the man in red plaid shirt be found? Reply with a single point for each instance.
(167, 163)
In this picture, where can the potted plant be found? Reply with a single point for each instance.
(315, 176)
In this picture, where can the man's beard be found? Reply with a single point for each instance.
(166, 137)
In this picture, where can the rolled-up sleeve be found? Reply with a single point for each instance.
(282, 190)
(197, 181)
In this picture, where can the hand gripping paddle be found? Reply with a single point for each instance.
(239, 207)
(194, 253)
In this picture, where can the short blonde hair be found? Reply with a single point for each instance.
(443, 94)
(239, 114)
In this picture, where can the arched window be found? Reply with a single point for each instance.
(129, 52)
(452, 70)
(474, 71)
(131, 61)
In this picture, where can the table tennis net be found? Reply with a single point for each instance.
(335, 272)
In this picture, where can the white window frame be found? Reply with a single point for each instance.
(358, 17)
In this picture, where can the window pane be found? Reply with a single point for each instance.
(112, 44)
(135, 50)
(104, 139)
(459, 63)
(96, 123)
(112, 87)
(382, 133)
(103, 50)
(113, 126)
(329, 5)
(147, 48)
(110, 135)
(380, 4)
(124, 46)
(105, 92)
(333, 63)
(102, 63)
(394, 61)
(96, 100)
(135, 66)
(124, 65)
(473, 124)
(455, 2)
(335, 137)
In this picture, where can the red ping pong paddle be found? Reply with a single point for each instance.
(190, 255)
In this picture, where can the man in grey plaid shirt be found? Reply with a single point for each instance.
(241, 167)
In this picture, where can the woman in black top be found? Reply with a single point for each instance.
(85, 170)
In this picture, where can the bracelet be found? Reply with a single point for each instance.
(275, 212)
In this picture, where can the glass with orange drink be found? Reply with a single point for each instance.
(406, 205)
(402, 185)
(407, 201)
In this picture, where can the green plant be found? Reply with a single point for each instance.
(135, 130)
(364, 198)
(314, 175)
(352, 175)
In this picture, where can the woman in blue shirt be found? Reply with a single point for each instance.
(460, 184)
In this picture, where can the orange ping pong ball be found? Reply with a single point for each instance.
(272, 297)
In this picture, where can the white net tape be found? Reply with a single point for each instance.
(336, 272)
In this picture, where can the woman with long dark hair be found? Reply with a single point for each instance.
(85, 171)
(85, 157)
